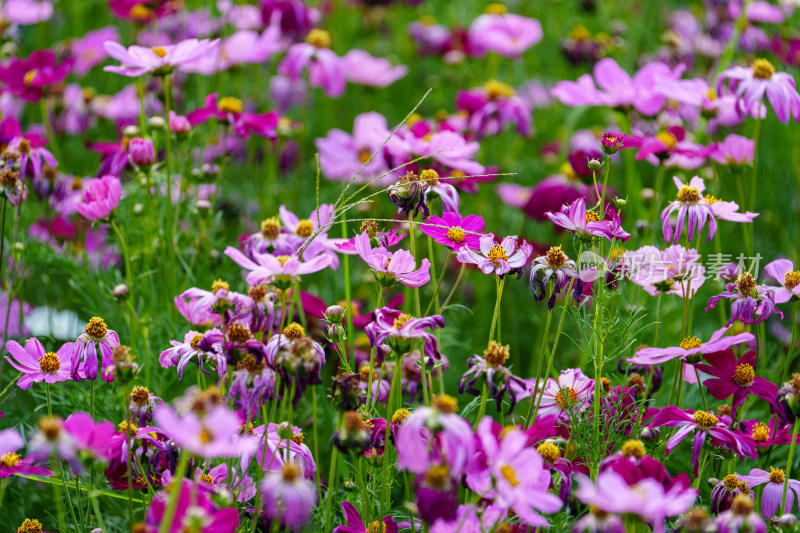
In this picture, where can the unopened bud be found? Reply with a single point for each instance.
(156, 122)
(120, 291)
(334, 313)
(130, 131)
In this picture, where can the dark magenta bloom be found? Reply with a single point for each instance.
(736, 376)
(30, 78)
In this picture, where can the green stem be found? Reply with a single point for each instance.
(482, 410)
(180, 472)
(51, 138)
(753, 180)
(541, 358)
(326, 517)
(347, 294)
(788, 474)
(435, 298)
(500, 284)
(49, 405)
(455, 285)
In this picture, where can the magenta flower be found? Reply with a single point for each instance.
(10, 461)
(494, 106)
(772, 496)
(734, 150)
(391, 267)
(30, 78)
(288, 496)
(782, 271)
(617, 88)
(752, 304)
(193, 507)
(500, 259)
(751, 84)
(96, 336)
(457, 232)
(690, 202)
(705, 424)
(283, 269)
(585, 224)
(324, 67)
(736, 376)
(691, 346)
(193, 350)
(89, 50)
(401, 330)
(281, 450)
(361, 68)
(66, 439)
(159, 60)
(355, 524)
(342, 155)
(230, 110)
(506, 34)
(32, 154)
(38, 365)
(729, 211)
(101, 198)
(211, 436)
(669, 148)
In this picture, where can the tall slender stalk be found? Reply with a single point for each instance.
(788, 474)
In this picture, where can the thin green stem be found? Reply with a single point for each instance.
(788, 474)
(180, 472)
(500, 284)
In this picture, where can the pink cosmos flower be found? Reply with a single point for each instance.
(668, 148)
(494, 106)
(585, 224)
(191, 350)
(243, 47)
(96, 336)
(192, 507)
(734, 150)
(10, 461)
(691, 346)
(137, 60)
(30, 78)
(38, 365)
(690, 202)
(782, 271)
(89, 51)
(772, 495)
(674, 270)
(499, 259)
(123, 108)
(101, 198)
(400, 330)
(571, 392)
(229, 110)
(324, 67)
(25, 12)
(751, 84)
(752, 303)
(268, 268)
(139, 12)
(33, 156)
(506, 34)
(355, 524)
(617, 88)
(342, 155)
(457, 231)
(276, 451)
(705, 424)
(391, 267)
(430, 38)
(361, 68)
(211, 436)
(66, 439)
(514, 476)
(288, 496)
(729, 211)
(216, 480)
(735, 376)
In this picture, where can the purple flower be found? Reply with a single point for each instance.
(38, 365)
(504, 33)
(33, 154)
(457, 232)
(294, 16)
(288, 496)
(704, 424)
(554, 263)
(355, 524)
(142, 152)
(691, 346)
(30, 78)
(722, 210)
(10, 461)
(690, 202)
(751, 84)
(752, 304)
(65, 439)
(193, 349)
(101, 198)
(782, 271)
(342, 155)
(193, 507)
(231, 111)
(585, 224)
(736, 376)
(391, 267)
(514, 475)
(734, 150)
(494, 106)
(89, 51)
(281, 269)
(325, 68)
(500, 259)
(159, 60)
(361, 68)
(210, 436)
(675, 270)
(25, 12)
(401, 331)
(96, 336)
(740, 518)
(772, 496)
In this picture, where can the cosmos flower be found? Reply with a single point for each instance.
(489, 367)
(212, 435)
(283, 269)
(690, 202)
(734, 150)
(504, 33)
(11, 463)
(456, 232)
(691, 346)
(159, 60)
(400, 331)
(324, 67)
(772, 495)
(494, 106)
(361, 68)
(96, 336)
(101, 198)
(751, 84)
(355, 524)
(192, 507)
(25, 12)
(231, 111)
(740, 517)
(33, 156)
(38, 365)
(554, 263)
(31, 78)
(752, 303)
(571, 392)
(585, 224)
(288, 496)
(500, 259)
(192, 349)
(391, 267)
(350, 157)
(736, 376)
(782, 271)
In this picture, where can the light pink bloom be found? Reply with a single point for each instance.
(89, 50)
(499, 259)
(734, 150)
(782, 271)
(324, 67)
(751, 84)
(342, 155)
(689, 347)
(212, 436)
(25, 12)
(363, 69)
(506, 34)
(268, 268)
(390, 267)
(137, 60)
(571, 392)
(101, 198)
(690, 202)
(37, 365)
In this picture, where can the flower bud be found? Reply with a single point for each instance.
(179, 124)
(788, 403)
(142, 152)
(130, 131)
(595, 164)
(203, 205)
(156, 122)
(335, 331)
(650, 435)
(620, 202)
(120, 291)
(611, 143)
(334, 313)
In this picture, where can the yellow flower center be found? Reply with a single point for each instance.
(49, 363)
(291, 472)
(690, 342)
(219, 285)
(742, 505)
(364, 154)
(633, 448)
(510, 475)
(555, 257)
(271, 228)
(229, 104)
(711, 94)
(760, 433)
(711, 200)
(50, 426)
(195, 342)
(731, 482)
(566, 397)
(299, 438)
(282, 259)
(159, 51)
(305, 228)
(744, 375)
(746, 284)
(30, 526)
(239, 333)
(496, 254)
(437, 476)
(96, 329)
(376, 527)
(9, 459)
(140, 480)
(669, 140)
(763, 69)
(128, 428)
(429, 176)
(400, 415)
(140, 13)
(548, 451)
(208, 480)
(591, 216)
(140, 395)
(496, 354)
(689, 194)
(495, 90)
(705, 419)
(455, 234)
(496, 8)
(29, 77)
(580, 33)
(319, 38)
(401, 320)
(294, 331)
(791, 280)
(444, 403)
(205, 436)
(776, 475)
